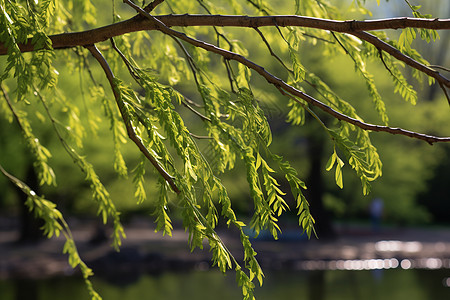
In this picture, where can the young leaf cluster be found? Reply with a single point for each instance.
(54, 225)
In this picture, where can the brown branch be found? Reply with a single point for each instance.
(145, 21)
(277, 82)
(138, 23)
(357, 28)
(131, 133)
(367, 126)
(370, 38)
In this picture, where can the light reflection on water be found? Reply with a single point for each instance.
(374, 264)
(395, 246)
(401, 255)
(353, 264)
(446, 282)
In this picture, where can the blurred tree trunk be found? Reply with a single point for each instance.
(315, 191)
(316, 285)
(29, 224)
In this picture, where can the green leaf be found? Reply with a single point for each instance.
(338, 175)
(330, 162)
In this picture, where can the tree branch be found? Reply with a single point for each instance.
(356, 28)
(277, 82)
(370, 38)
(145, 21)
(152, 5)
(138, 23)
(131, 133)
(440, 67)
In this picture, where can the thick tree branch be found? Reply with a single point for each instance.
(145, 21)
(131, 133)
(138, 23)
(357, 28)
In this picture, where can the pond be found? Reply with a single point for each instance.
(398, 284)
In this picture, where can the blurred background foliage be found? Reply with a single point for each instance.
(414, 185)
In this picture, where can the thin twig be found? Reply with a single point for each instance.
(311, 112)
(189, 59)
(230, 45)
(445, 92)
(343, 47)
(200, 137)
(152, 5)
(256, 5)
(127, 63)
(219, 35)
(317, 38)
(439, 67)
(131, 133)
(70, 150)
(270, 48)
(380, 54)
(229, 74)
(11, 107)
(202, 116)
(193, 103)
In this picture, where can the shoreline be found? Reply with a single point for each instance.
(143, 250)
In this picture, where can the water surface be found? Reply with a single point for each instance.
(398, 284)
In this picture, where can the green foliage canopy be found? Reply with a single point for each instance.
(151, 68)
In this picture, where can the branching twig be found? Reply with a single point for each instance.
(127, 63)
(370, 38)
(218, 34)
(200, 137)
(202, 116)
(152, 5)
(193, 103)
(380, 54)
(439, 67)
(270, 49)
(445, 92)
(343, 47)
(11, 107)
